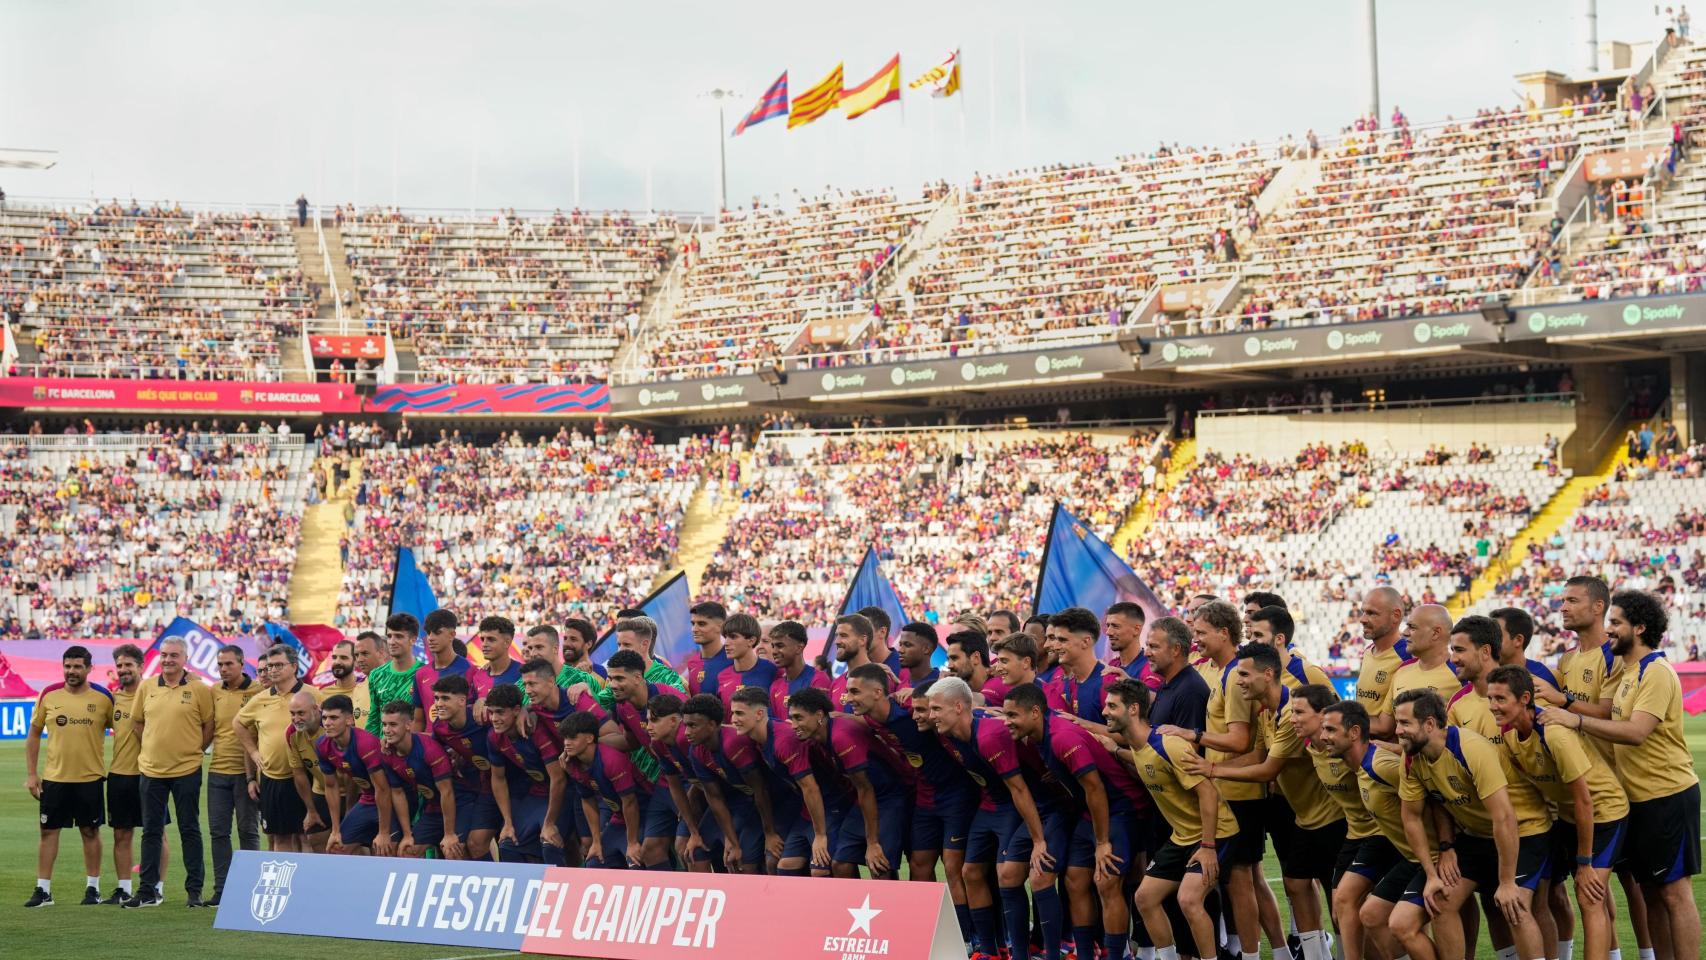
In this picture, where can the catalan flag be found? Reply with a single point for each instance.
(882, 88)
(774, 104)
(817, 101)
(935, 74)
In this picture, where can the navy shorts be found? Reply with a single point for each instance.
(659, 813)
(945, 826)
(572, 798)
(1058, 827)
(428, 829)
(795, 829)
(482, 813)
(614, 839)
(1173, 861)
(360, 826)
(527, 815)
(1083, 851)
(1306, 851)
(989, 832)
(1478, 860)
(892, 817)
(1371, 857)
(749, 828)
(1395, 886)
(1607, 844)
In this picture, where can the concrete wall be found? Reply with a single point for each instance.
(1401, 431)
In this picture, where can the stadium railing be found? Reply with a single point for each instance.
(121, 441)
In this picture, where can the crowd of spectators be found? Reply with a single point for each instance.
(958, 518)
(122, 290)
(506, 298)
(111, 536)
(536, 531)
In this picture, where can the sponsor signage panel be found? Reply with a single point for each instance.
(1318, 344)
(616, 914)
(370, 348)
(984, 371)
(186, 396)
(1608, 318)
(675, 395)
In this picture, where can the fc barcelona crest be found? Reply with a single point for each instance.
(272, 890)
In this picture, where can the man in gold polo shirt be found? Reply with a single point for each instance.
(174, 713)
(1593, 810)
(345, 679)
(1429, 666)
(261, 727)
(1382, 618)
(1645, 731)
(228, 772)
(75, 714)
(1499, 830)
(124, 777)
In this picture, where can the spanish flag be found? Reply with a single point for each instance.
(817, 101)
(944, 76)
(873, 93)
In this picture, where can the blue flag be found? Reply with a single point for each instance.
(668, 606)
(411, 593)
(279, 633)
(871, 589)
(201, 650)
(1079, 570)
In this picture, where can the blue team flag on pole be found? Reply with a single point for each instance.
(279, 633)
(871, 589)
(1079, 570)
(668, 605)
(411, 593)
(201, 650)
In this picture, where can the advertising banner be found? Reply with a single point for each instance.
(1590, 319)
(617, 914)
(178, 396)
(981, 371)
(478, 398)
(370, 348)
(1319, 344)
(685, 395)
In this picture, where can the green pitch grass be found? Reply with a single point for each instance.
(67, 930)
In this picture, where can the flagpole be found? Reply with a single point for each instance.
(396, 564)
(1048, 545)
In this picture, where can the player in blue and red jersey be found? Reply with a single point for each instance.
(788, 646)
(746, 668)
(347, 749)
(872, 828)
(1106, 798)
(731, 778)
(1006, 830)
(798, 829)
(464, 742)
(527, 781)
(442, 660)
(606, 772)
(702, 669)
(425, 799)
(917, 647)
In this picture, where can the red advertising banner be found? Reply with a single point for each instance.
(637, 915)
(179, 396)
(368, 348)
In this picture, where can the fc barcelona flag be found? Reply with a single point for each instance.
(774, 104)
(1079, 570)
(817, 101)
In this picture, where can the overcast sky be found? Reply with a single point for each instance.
(445, 104)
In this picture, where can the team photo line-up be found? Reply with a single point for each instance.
(1076, 805)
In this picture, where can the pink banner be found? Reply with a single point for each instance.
(180, 396)
(638, 915)
(36, 663)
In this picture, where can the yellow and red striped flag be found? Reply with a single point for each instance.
(882, 88)
(817, 101)
(945, 76)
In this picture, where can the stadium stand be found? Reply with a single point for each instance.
(114, 535)
(1329, 525)
(537, 531)
(963, 515)
(1643, 530)
(503, 298)
(1410, 220)
(120, 290)
(751, 285)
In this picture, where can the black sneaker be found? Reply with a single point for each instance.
(194, 900)
(92, 897)
(41, 898)
(117, 899)
(212, 901)
(144, 898)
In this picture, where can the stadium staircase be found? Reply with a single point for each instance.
(704, 526)
(915, 257)
(1142, 512)
(319, 571)
(1541, 526)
